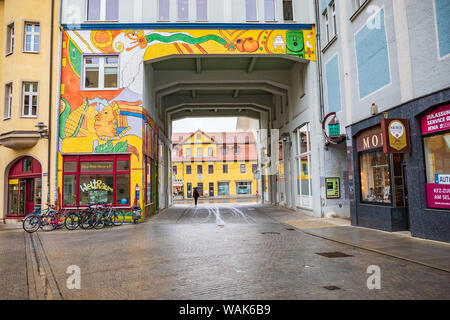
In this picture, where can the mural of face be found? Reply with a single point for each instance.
(106, 121)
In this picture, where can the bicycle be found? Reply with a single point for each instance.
(47, 220)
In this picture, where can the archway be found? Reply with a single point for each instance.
(24, 187)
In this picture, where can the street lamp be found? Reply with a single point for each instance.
(43, 132)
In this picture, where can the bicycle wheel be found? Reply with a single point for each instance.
(99, 221)
(117, 218)
(72, 221)
(86, 221)
(47, 224)
(31, 223)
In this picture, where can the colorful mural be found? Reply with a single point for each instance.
(95, 120)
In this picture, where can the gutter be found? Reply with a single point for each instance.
(50, 91)
(319, 62)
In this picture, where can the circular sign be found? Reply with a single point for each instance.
(396, 129)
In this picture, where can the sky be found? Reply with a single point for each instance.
(205, 124)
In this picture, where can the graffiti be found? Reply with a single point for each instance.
(96, 185)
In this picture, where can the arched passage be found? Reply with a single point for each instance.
(24, 187)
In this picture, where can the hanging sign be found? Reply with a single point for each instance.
(395, 134)
(333, 134)
(333, 186)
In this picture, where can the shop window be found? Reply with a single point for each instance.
(375, 177)
(101, 72)
(32, 36)
(243, 188)
(90, 179)
(223, 188)
(102, 10)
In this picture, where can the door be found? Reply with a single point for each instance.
(29, 196)
(211, 189)
(200, 188)
(189, 190)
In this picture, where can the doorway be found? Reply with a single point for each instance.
(211, 189)
(24, 187)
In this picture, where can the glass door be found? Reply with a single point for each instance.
(303, 166)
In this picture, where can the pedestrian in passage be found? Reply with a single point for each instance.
(196, 195)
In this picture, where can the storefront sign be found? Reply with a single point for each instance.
(369, 139)
(438, 196)
(333, 136)
(95, 185)
(395, 133)
(436, 120)
(442, 179)
(333, 186)
(14, 181)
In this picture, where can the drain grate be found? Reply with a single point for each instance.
(290, 229)
(270, 233)
(335, 254)
(331, 288)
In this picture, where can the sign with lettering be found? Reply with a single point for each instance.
(438, 196)
(395, 133)
(369, 139)
(436, 120)
(95, 185)
(333, 186)
(442, 179)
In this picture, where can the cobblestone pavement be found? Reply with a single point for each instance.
(229, 251)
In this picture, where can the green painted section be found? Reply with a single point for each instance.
(75, 57)
(184, 38)
(63, 118)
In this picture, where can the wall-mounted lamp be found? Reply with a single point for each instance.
(43, 132)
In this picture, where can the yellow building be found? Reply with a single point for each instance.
(29, 34)
(217, 163)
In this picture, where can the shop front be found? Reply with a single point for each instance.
(396, 190)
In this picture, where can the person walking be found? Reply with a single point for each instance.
(196, 195)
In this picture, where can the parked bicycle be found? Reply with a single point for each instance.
(48, 219)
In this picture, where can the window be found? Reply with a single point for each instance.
(327, 26)
(236, 149)
(375, 177)
(32, 35)
(210, 151)
(251, 11)
(188, 169)
(174, 169)
(269, 10)
(10, 39)
(101, 72)
(224, 150)
(210, 169)
(223, 188)
(199, 136)
(199, 169)
(188, 152)
(183, 10)
(27, 165)
(303, 166)
(333, 13)
(30, 99)
(8, 101)
(225, 168)
(148, 180)
(288, 11)
(163, 10)
(242, 167)
(199, 152)
(358, 4)
(202, 10)
(243, 187)
(102, 10)
(96, 179)
(254, 168)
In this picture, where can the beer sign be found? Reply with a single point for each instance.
(395, 133)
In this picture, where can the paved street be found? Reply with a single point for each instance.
(214, 251)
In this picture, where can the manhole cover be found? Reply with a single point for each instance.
(331, 288)
(335, 254)
(270, 233)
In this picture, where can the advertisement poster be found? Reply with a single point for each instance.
(436, 120)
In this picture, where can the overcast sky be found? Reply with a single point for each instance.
(205, 124)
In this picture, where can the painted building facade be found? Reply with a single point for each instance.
(28, 72)
(217, 163)
(373, 62)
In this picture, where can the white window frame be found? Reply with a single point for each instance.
(32, 34)
(333, 18)
(10, 35)
(30, 94)
(188, 153)
(303, 201)
(101, 71)
(327, 25)
(199, 151)
(102, 12)
(210, 152)
(9, 90)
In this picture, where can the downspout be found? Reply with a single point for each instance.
(319, 63)
(58, 98)
(50, 91)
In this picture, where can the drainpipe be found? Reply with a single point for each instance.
(58, 98)
(319, 62)
(50, 101)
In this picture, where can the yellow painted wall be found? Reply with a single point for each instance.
(18, 67)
